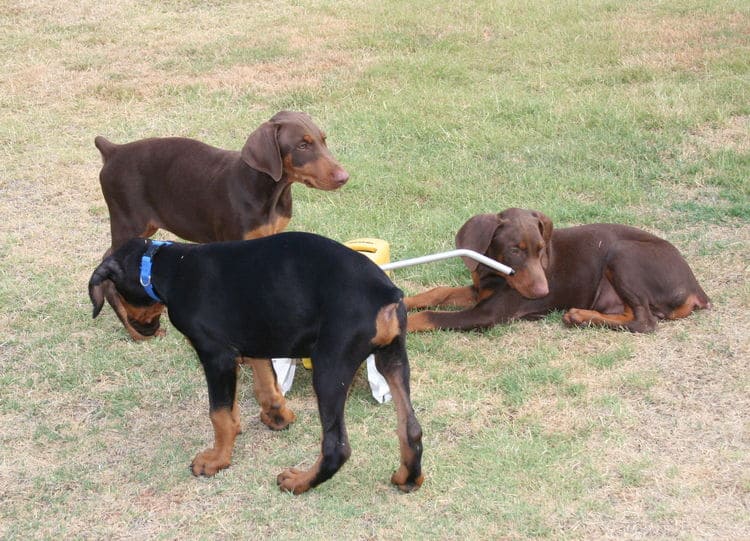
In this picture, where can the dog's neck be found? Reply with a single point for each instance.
(280, 202)
(146, 264)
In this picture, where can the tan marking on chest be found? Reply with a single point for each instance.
(276, 226)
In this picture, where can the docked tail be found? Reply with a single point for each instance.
(105, 147)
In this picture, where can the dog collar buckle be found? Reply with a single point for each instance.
(146, 262)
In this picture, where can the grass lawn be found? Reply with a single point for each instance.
(589, 111)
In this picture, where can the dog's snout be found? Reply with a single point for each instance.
(539, 290)
(340, 176)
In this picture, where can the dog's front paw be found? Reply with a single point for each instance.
(573, 317)
(296, 481)
(209, 462)
(400, 478)
(277, 418)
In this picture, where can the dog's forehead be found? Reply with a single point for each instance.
(297, 124)
(521, 229)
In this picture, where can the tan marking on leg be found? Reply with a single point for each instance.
(578, 316)
(409, 459)
(273, 411)
(690, 304)
(226, 428)
(419, 322)
(386, 325)
(443, 296)
(236, 412)
(298, 481)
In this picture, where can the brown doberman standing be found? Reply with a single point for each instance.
(202, 193)
(602, 274)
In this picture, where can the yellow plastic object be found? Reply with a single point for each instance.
(378, 250)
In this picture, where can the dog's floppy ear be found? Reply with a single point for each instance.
(107, 269)
(262, 152)
(476, 234)
(545, 228)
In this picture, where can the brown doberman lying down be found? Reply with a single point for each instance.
(203, 194)
(602, 274)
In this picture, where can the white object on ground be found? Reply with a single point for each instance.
(284, 369)
(378, 386)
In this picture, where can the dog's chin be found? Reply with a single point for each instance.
(146, 329)
(326, 186)
(531, 295)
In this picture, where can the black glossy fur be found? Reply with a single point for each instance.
(205, 194)
(288, 295)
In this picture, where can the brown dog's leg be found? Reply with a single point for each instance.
(420, 321)
(642, 322)
(462, 297)
(483, 315)
(273, 410)
(693, 302)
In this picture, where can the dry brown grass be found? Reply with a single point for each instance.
(665, 42)
(97, 431)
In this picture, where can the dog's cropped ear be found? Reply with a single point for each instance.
(262, 152)
(545, 228)
(476, 234)
(109, 269)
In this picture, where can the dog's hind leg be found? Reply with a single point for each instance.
(392, 362)
(332, 377)
(221, 375)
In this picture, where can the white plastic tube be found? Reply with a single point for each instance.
(461, 252)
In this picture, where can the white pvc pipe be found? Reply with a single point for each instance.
(461, 252)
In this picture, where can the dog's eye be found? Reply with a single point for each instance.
(304, 145)
(515, 250)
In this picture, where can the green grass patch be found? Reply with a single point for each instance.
(589, 111)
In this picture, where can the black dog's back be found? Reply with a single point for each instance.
(287, 295)
(284, 291)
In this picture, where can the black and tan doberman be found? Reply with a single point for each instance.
(287, 295)
(204, 194)
(602, 274)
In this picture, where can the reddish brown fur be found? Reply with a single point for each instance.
(603, 274)
(204, 194)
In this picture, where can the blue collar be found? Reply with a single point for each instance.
(146, 267)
